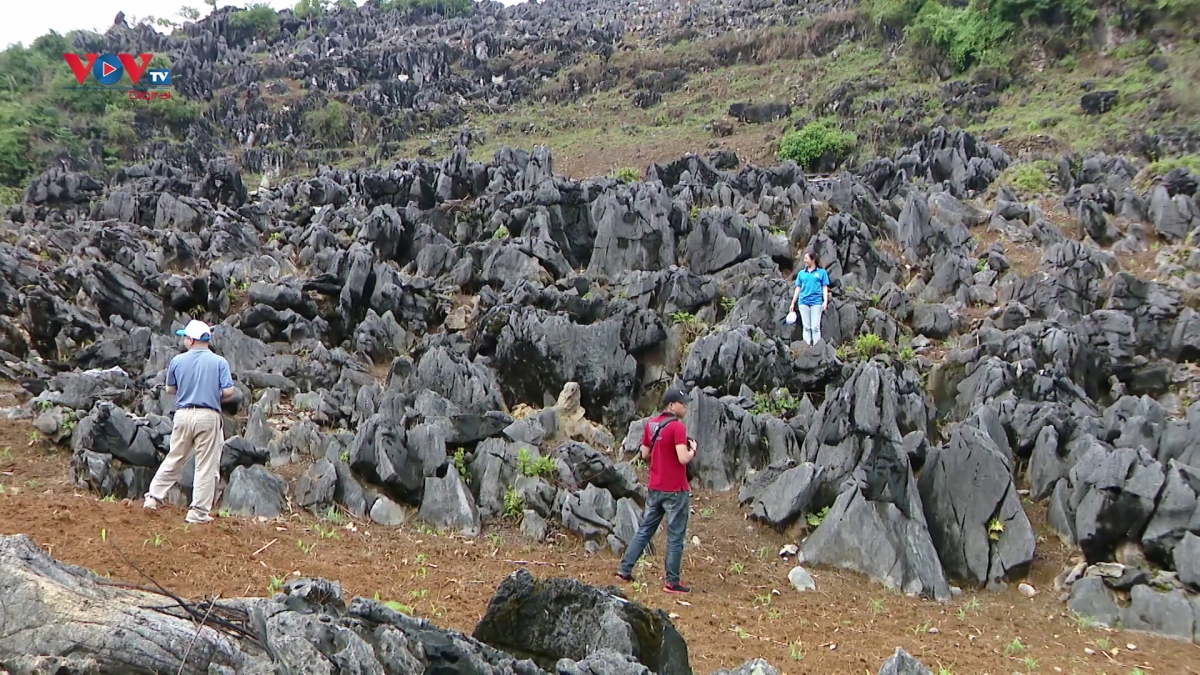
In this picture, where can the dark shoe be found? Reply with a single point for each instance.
(676, 588)
(627, 578)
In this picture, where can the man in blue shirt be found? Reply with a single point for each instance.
(810, 298)
(200, 381)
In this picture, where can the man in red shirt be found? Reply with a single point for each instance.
(666, 444)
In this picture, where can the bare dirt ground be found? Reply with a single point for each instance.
(741, 607)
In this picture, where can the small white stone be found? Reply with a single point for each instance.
(801, 579)
(1027, 590)
(1131, 647)
(695, 541)
(789, 550)
(1089, 651)
(934, 631)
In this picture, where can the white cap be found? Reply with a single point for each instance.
(196, 330)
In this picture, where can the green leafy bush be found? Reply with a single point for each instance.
(817, 141)
(627, 174)
(528, 465)
(260, 17)
(447, 8)
(966, 35)
(330, 125)
(9, 196)
(177, 111)
(14, 144)
(978, 32)
(310, 10)
(1029, 179)
(117, 125)
(1164, 166)
(777, 403)
(514, 506)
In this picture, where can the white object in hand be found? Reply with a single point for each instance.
(791, 318)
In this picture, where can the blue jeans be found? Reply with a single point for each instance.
(810, 319)
(675, 506)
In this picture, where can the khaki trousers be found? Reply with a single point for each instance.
(200, 431)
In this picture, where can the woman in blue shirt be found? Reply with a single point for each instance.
(811, 296)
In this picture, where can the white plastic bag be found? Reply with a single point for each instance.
(791, 318)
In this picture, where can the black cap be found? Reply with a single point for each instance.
(676, 396)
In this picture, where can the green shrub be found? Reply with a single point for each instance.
(14, 144)
(177, 111)
(310, 10)
(9, 196)
(966, 35)
(776, 403)
(260, 17)
(117, 125)
(330, 125)
(895, 14)
(514, 506)
(447, 8)
(977, 32)
(1164, 166)
(627, 174)
(459, 459)
(864, 346)
(528, 465)
(816, 141)
(1029, 179)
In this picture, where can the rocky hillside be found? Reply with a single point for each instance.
(463, 340)
(611, 84)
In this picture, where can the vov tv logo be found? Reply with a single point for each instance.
(107, 70)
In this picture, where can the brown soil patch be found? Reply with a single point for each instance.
(742, 605)
(752, 143)
(1023, 258)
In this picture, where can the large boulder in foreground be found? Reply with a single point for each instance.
(61, 618)
(552, 619)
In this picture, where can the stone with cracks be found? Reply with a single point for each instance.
(255, 491)
(974, 513)
(787, 496)
(902, 663)
(878, 540)
(560, 618)
(448, 503)
(63, 618)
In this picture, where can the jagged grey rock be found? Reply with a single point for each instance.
(1169, 613)
(975, 516)
(308, 626)
(751, 667)
(448, 503)
(1090, 597)
(255, 491)
(584, 620)
(901, 663)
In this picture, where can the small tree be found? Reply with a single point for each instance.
(310, 10)
(260, 17)
(816, 145)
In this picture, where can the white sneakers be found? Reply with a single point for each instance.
(194, 517)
